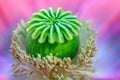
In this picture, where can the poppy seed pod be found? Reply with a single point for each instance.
(55, 32)
(53, 45)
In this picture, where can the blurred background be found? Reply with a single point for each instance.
(104, 14)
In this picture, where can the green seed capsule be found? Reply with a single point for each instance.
(55, 32)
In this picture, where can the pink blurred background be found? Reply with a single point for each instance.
(104, 14)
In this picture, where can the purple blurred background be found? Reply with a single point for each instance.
(104, 14)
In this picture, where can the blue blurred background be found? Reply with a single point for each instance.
(104, 14)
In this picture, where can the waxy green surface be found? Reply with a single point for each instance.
(55, 32)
